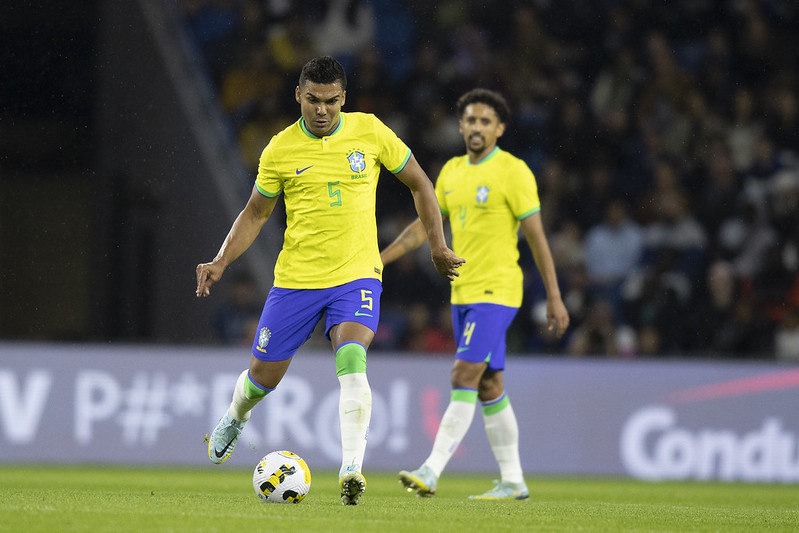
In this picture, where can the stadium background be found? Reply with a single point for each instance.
(663, 136)
(129, 134)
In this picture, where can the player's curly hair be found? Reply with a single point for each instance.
(324, 69)
(484, 96)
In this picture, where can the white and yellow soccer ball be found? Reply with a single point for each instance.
(281, 477)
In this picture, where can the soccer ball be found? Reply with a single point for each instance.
(281, 477)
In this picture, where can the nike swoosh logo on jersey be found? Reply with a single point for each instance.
(222, 453)
(301, 170)
(358, 313)
(461, 350)
(447, 192)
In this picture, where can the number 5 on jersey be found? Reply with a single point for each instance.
(334, 193)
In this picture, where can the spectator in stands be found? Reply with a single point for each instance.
(745, 129)
(656, 299)
(344, 29)
(613, 249)
(676, 231)
(744, 237)
(713, 315)
(720, 188)
(429, 330)
(597, 334)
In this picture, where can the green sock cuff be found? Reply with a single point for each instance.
(253, 390)
(463, 395)
(350, 359)
(493, 407)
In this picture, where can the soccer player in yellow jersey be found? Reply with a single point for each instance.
(326, 165)
(487, 195)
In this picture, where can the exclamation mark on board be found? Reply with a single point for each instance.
(398, 405)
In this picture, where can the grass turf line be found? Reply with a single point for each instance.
(120, 499)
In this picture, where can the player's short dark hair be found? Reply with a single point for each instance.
(324, 69)
(483, 96)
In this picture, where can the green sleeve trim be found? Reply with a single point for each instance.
(463, 395)
(265, 192)
(494, 408)
(528, 213)
(405, 162)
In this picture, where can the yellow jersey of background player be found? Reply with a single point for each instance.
(485, 202)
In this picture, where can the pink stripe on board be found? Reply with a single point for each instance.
(769, 382)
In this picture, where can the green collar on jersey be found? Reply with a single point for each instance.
(307, 132)
(490, 154)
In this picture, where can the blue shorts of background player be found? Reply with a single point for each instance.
(290, 315)
(480, 331)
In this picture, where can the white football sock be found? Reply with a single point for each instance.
(453, 427)
(503, 434)
(355, 411)
(241, 405)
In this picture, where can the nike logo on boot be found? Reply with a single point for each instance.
(221, 454)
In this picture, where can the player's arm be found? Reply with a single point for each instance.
(424, 198)
(241, 235)
(409, 240)
(557, 315)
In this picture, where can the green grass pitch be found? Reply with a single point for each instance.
(53, 498)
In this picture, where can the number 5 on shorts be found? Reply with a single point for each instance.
(367, 299)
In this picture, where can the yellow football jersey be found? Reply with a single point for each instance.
(484, 203)
(329, 186)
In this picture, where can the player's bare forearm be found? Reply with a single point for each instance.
(557, 315)
(430, 217)
(242, 233)
(409, 240)
(424, 198)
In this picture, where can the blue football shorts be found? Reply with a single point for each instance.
(290, 315)
(480, 331)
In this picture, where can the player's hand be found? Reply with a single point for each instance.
(207, 275)
(446, 262)
(557, 316)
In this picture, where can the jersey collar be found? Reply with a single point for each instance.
(488, 156)
(307, 132)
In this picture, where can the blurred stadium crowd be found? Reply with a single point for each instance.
(664, 137)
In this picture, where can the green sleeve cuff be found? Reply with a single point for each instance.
(528, 213)
(265, 192)
(405, 162)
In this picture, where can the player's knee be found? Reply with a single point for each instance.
(350, 359)
(465, 375)
(491, 387)
(267, 374)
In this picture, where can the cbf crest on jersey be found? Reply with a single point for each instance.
(482, 194)
(357, 161)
